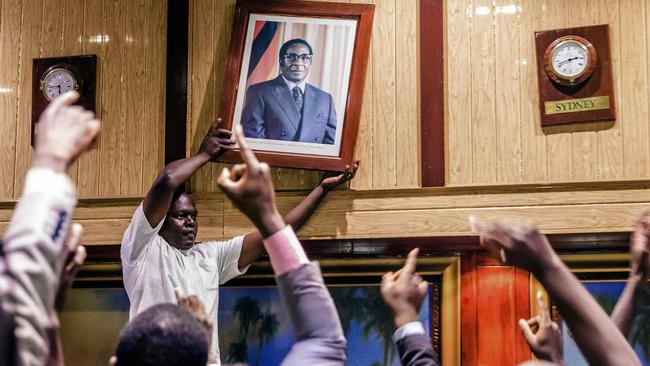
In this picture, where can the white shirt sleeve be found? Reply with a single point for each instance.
(32, 249)
(137, 236)
(408, 329)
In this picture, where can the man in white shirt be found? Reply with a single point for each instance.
(158, 249)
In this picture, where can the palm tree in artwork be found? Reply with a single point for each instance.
(379, 319)
(238, 351)
(247, 311)
(349, 304)
(268, 326)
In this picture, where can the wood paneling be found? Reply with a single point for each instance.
(129, 40)
(491, 66)
(493, 299)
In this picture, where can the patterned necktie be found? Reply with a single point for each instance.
(297, 97)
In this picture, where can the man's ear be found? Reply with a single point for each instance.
(112, 361)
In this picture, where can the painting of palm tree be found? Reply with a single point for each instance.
(606, 294)
(254, 328)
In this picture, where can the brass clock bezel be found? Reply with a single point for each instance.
(573, 80)
(62, 66)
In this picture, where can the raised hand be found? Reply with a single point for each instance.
(194, 306)
(514, 242)
(217, 141)
(640, 247)
(543, 335)
(250, 189)
(64, 132)
(404, 291)
(331, 180)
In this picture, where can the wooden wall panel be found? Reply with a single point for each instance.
(92, 43)
(634, 89)
(459, 93)
(610, 141)
(31, 30)
(10, 30)
(482, 79)
(128, 64)
(493, 299)
(507, 144)
(533, 149)
(558, 140)
(407, 136)
(508, 113)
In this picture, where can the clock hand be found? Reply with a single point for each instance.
(567, 60)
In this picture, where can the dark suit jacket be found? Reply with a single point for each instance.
(416, 350)
(271, 113)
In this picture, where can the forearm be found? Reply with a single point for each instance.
(624, 309)
(33, 245)
(299, 215)
(596, 335)
(170, 178)
(179, 171)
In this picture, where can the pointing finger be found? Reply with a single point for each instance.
(63, 100)
(245, 151)
(411, 261)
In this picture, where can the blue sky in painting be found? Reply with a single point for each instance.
(610, 289)
(361, 352)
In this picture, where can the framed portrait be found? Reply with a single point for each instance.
(604, 276)
(294, 80)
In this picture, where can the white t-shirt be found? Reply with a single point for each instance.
(152, 268)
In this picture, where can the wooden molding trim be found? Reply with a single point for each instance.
(429, 247)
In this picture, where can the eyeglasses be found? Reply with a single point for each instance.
(293, 57)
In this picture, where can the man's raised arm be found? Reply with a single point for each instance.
(173, 175)
(34, 242)
(521, 245)
(319, 334)
(252, 248)
(639, 270)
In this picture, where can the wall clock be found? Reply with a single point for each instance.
(575, 75)
(54, 76)
(570, 60)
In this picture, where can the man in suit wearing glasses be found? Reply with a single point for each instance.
(287, 107)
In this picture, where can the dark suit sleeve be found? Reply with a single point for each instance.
(416, 350)
(252, 117)
(319, 335)
(330, 129)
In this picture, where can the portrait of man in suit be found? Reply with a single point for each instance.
(287, 107)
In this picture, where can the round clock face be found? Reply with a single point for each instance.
(58, 81)
(570, 60)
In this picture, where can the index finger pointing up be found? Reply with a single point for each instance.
(245, 151)
(411, 261)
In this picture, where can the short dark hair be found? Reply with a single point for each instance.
(163, 335)
(291, 42)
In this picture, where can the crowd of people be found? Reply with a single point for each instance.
(172, 283)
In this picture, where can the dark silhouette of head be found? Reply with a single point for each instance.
(163, 335)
